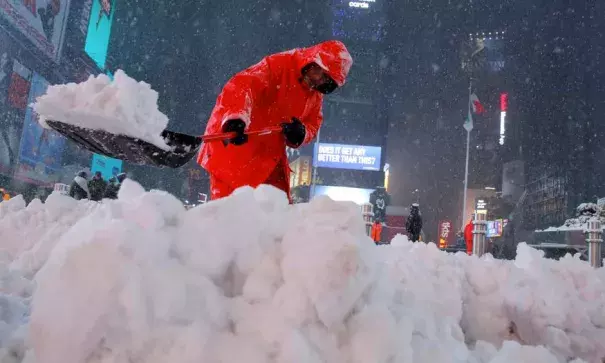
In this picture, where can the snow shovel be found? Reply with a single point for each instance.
(182, 146)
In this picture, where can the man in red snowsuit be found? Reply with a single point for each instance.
(284, 89)
(468, 237)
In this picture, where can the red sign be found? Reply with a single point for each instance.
(106, 6)
(18, 91)
(504, 102)
(446, 234)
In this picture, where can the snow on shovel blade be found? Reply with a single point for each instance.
(182, 147)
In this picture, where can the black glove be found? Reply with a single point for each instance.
(239, 127)
(295, 132)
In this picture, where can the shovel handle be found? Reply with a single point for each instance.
(230, 135)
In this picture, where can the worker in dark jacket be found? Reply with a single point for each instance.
(97, 186)
(112, 189)
(413, 225)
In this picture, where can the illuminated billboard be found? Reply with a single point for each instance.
(494, 228)
(20, 82)
(503, 110)
(99, 30)
(341, 156)
(42, 22)
(41, 151)
(15, 81)
(484, 51)
(480, 206)
(446, 234)
(108, 167)
(301, 171)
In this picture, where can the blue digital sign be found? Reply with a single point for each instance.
(107, 166)
(99, 30)
(41, 150)
(353, 157)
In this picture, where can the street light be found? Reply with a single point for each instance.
(416, 191)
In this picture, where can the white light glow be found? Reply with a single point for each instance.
(502, 126)
(342, 194)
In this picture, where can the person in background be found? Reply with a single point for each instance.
(376, 232)
(413, 225)
(468, 237)
(111, 191)
(113, 187)
(380, 200)
(5, 195)
(121, 177)
(97, 187)
(460, 242)
(79, 187)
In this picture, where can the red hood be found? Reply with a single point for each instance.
(332, 56)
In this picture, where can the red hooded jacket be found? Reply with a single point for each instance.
(268, 94)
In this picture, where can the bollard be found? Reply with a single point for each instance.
(594, 239)
(479, 231)
(367, 211)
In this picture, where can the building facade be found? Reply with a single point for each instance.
(41, 44)
(559, 77)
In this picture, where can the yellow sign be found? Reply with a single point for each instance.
(301, 171)
(442, 243)
(386, 179)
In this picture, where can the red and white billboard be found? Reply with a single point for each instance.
(43, 22)
(503, 110)
(446, 234)
(20, 83)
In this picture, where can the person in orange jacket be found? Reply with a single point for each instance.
(376, 232)
(284, 89)
(468, 237)
(4, 194)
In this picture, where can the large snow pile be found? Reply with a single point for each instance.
(251, 279)
(122, 106)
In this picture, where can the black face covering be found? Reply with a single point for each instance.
(327, 87)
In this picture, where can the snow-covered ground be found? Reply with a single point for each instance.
(251, 279)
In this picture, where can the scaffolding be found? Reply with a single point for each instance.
(546, 202)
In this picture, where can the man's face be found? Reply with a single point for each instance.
(316, 78)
